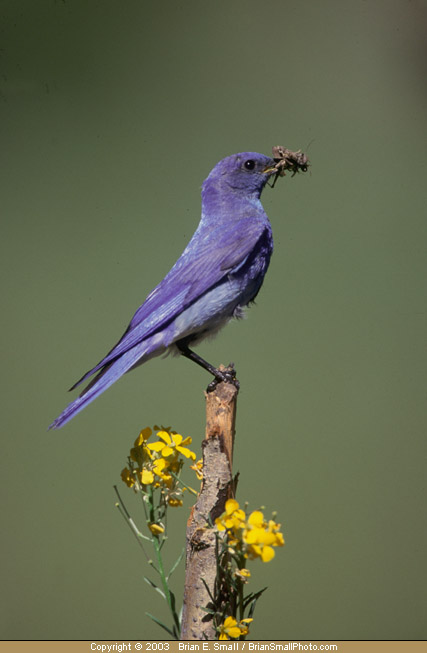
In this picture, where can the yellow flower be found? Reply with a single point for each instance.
(280, 540)
(256, 519)
(251, 535)
(230, 629)
(198, 468)
(159, 468)
(244, 626)
(139, 452)
(127, 477)
(243, 574)
(156, 529)
(233, 517)
(172, 443)
(146, 476)
(143, 436)
(174, 502)
(260, 537)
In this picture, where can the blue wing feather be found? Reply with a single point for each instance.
(224, 249)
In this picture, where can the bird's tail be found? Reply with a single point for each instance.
(107, 376)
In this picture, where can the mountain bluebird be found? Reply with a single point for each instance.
(219, 273)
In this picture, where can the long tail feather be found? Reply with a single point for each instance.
(107, 377)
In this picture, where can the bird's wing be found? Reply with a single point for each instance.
(222, 251)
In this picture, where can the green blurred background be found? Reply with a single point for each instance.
(112, 114)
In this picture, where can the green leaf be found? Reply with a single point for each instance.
(253, 601)
(173, 610)
(176, 633)
(173, 602)
(176, 564)
(159, 623)
(154, 586)
(208, 590)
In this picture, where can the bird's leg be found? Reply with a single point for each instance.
(228, 375)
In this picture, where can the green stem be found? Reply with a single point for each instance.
(187, 487)
(162, 575)
(157, 547)
(241, 611)
(152, 516)
(240, 564)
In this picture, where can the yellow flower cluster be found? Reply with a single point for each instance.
(251, 535)
(232, 629)
(156, 463)
(198, 468)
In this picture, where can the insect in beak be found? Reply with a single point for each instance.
(287, 160)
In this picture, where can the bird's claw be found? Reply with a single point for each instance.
(226, 375)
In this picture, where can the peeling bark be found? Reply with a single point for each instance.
(217, 487)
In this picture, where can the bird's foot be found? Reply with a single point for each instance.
(224, 375)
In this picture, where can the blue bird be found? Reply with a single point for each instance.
(219, 273)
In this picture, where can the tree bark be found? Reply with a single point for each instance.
(217, 487)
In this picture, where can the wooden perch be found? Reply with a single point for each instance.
(217, 487)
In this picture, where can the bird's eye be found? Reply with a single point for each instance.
(250, 164)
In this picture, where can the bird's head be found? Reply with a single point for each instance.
(245, 173)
